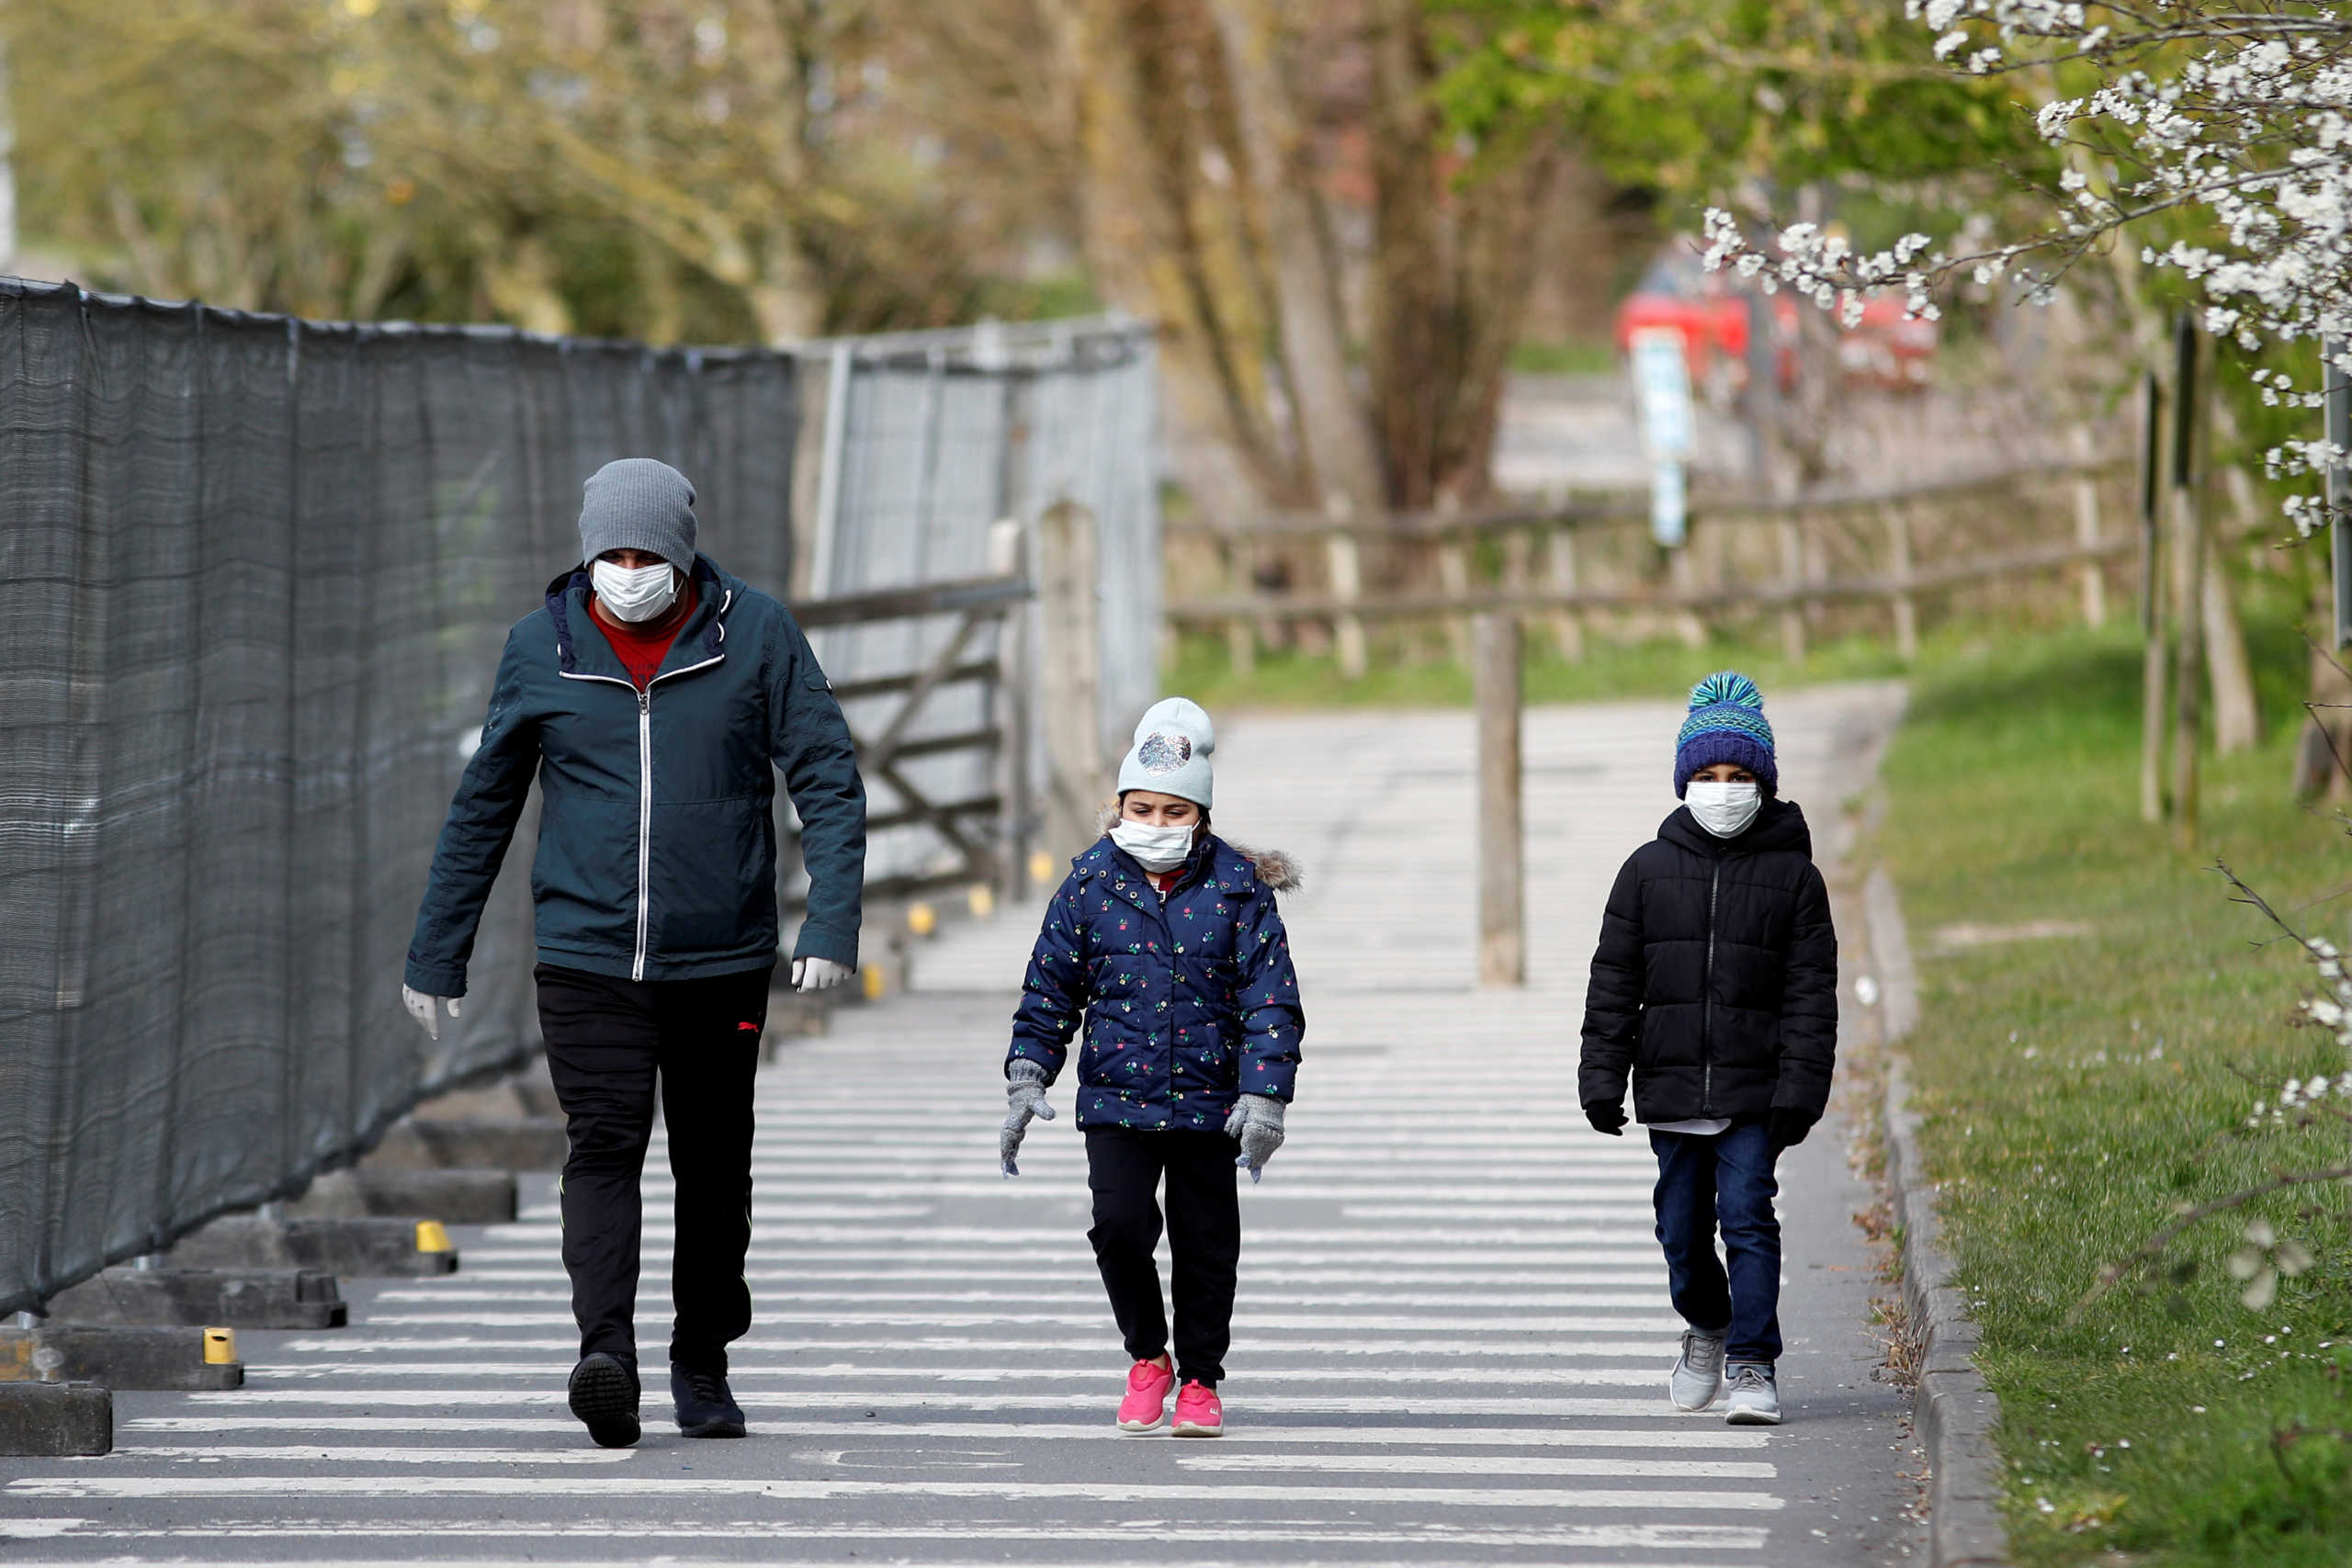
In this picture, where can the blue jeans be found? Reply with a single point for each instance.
(1726, 1181)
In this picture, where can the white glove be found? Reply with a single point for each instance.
(817, 974)
(425, 1010)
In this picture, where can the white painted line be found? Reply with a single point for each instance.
(829, 1399)
(1640, 1344)
(1561, 1213)
(1055, 1247)
(1612, 1377)
(1259, 1278)
(1098, 1318)
(1483, 1464)
(1321, 1534)
(1444, 1239)
(457, 1292)
(306, 1453)
(996, 1493)
(1249, 1436)
(815, 1198)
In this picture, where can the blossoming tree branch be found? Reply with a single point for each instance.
(2215, 135)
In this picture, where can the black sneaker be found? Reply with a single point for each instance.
(705, 1408)
(603, 1395)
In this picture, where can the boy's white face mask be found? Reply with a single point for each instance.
(1723, 810)
(1155, 849)
(635, 593)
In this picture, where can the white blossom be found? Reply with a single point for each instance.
(2249, 129)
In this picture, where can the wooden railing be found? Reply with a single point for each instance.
(986, 832)
(1540, 572)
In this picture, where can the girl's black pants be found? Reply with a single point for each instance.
(1125, 1168)
(608, 1040)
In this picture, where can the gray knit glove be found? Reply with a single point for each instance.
(1257, 1121)
(1024, 1093)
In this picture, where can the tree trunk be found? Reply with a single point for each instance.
(1340, 466)
(1167, 233)
(2324, 753)
(2237, 713)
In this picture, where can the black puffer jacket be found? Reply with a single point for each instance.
(1716, 982)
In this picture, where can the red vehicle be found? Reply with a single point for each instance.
(1885, 349)
(1712, 315)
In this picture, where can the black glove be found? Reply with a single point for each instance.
(1788, 1124)
(1606, 1116)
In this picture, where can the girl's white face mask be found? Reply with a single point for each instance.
(1155, 849)
(635, 593)
(1723, 810)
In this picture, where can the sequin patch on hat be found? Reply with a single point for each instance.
(1164, 754)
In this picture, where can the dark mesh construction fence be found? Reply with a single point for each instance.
(257, 575)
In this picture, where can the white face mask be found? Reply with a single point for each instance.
(1155, 849)
(635, 593)
(1723, 810)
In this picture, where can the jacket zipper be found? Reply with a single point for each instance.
(1707, 1002)
(644, 792)
(645, 822)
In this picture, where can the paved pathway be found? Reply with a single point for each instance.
(1449, 1344)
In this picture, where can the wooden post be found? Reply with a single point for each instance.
(2086, 532)
(1008, 558)
(1071, 663)
(1242, 583)
(2188, 588)
(1502, 858)
(1682, 575)
(1792, 578)
(1518, 557)
(1347, 587)
(1567, 624)
(1907, 612)
(2152, 612)
(1453, 576)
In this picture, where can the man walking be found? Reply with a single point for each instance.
(655, 697)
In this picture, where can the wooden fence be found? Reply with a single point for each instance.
(1531, 561)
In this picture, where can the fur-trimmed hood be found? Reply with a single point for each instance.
(1274, 868)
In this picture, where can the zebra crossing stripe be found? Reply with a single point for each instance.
(996, 1493)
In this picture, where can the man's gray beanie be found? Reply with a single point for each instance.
(639, 503)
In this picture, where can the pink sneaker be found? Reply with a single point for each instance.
(1147, 1400)
(1198, 1413)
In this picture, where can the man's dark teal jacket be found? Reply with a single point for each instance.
(657, 829)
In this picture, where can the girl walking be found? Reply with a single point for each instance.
(1716, 987)
(1167, 941)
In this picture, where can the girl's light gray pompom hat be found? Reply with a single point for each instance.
(1172, 752)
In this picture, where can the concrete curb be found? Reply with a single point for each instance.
(1954, 1412)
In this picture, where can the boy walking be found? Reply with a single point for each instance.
(1714, 986)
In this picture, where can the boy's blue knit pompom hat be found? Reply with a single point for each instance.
(1726, 725)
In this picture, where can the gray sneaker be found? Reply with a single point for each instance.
(1755, 1397)
(1698, 1372)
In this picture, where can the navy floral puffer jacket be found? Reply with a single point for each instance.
(1189, 1001)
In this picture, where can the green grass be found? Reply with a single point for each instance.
(2076, 1090)
(1574, 356)
(1663, 668)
